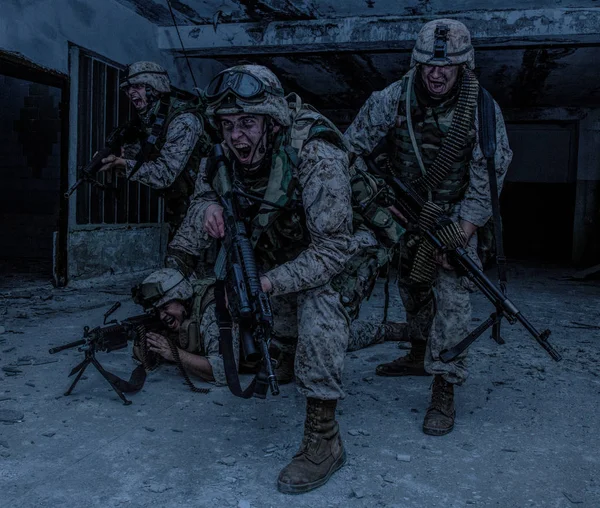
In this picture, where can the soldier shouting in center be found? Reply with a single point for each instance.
(415, 117)
(286, 153)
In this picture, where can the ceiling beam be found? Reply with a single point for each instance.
(490, 29)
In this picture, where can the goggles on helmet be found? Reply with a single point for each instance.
(241, 84)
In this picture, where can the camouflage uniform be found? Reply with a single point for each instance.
(173, 163)
(444, 318)
(203, 313)
(199, 333)
(304, 302)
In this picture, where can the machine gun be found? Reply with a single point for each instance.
(248, 305)
(114, 141)
(436, 230)
(113, 336)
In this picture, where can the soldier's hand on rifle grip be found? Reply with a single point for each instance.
(159, 344)
(114, 162)
(214, 225)
(398, 214)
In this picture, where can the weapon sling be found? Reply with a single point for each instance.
(226, 346)
(152, 139)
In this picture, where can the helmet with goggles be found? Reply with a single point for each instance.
(251, 89)
(147, 73)
(444, 42)
(161, 287)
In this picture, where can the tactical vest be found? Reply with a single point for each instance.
(189, 333)
(177, 195)
(280, 235)
(431, 125)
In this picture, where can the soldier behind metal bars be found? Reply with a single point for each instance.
(172, 139)
(415, 115)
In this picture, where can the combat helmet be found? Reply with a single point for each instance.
(251, 89)
(161, 287)
(443, 42)
(147, 73)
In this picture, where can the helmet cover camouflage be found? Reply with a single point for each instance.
(443, 42)
(164, 286)
(147, 73)
(270, 104)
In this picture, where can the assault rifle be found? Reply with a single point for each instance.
(114, 141)
(411, 204)
(247, 304)
(112, 336)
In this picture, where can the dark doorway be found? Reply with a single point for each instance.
(538, 200)
(32, 164)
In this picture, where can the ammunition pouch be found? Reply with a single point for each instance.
(371, 197)
(189, 336)
(355, 283)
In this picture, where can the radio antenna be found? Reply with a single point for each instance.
(181, 42)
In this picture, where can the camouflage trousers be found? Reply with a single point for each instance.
(316, 322)
(362, 334)
(441, 315)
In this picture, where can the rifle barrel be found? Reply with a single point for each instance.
(70, 345)
(90, 169)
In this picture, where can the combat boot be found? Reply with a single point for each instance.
(439, 419)
(412, 364)
(321, 453)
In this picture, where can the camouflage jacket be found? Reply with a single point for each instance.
(324, 188)
(183, 133)
(383, 112)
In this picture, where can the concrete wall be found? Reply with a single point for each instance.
(29, 168)
(41, 30)
(586, 237)
(114, 249)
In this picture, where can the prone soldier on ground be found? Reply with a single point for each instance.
(428, 121)
(186, 308)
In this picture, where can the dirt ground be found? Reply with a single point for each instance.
(526, 432)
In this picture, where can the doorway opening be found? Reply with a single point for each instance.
(538, 198)
(33, 134)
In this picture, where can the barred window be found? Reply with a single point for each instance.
(101, 108)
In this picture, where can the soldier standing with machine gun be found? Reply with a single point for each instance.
(434, 142)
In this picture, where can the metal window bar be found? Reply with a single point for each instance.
(101, 109)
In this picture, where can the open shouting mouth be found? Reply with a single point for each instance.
(170, 322)
(437, 87)
(244, 152)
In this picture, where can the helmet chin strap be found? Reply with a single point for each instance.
(262, 149)
(152, 96)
